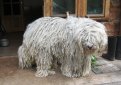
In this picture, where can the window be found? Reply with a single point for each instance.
(98, 9)
(60, 7)
(95, 6)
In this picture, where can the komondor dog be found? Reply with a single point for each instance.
(70, 42)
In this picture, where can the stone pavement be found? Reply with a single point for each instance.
(113, 83)
(10, 74)
(103, 66)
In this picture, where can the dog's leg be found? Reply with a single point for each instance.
(72, 69)
(86, 67)
(66, 68)
(44, 63)
(25, 60)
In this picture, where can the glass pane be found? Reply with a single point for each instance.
(7, 9)
(62, 6)
(15, 0)
(16, 9)
(6, 1)
(94, 6)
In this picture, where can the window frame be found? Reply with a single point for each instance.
(80, 9)
(48, 9)
(83, 10)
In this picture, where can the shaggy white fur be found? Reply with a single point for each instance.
(71, 42)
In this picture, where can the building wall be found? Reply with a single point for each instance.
(113, 23)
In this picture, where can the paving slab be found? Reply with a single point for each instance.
(104, 66)
(113, 83)
(10, 74)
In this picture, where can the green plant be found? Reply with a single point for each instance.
(93, 61)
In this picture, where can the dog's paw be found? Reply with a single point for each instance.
(75, 75)
(44, 73)
(41, 73)
(51, 72)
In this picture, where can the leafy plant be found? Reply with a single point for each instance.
(93, 61)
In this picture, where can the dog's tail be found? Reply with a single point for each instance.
(67, 14)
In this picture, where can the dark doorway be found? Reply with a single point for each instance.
(15, 16)
(32, 10)
(12, 15)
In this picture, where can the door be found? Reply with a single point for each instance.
(12, 15)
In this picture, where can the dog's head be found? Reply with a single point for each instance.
(93, 38)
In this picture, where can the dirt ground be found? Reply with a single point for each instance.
(10, 74)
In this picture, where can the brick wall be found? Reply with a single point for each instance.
(113, 24)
